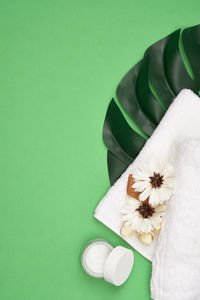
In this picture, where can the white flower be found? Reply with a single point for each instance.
(141, 216)
(154, 180)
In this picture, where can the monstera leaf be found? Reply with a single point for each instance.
(146, 91)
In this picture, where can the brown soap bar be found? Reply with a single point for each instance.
(131, 191)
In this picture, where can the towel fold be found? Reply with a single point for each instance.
(176, 264)
(181, 121)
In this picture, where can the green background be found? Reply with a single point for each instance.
(60, 62)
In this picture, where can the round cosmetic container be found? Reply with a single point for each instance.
(101, 260)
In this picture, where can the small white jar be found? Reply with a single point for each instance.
(101, 260)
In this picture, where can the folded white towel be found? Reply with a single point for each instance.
(176, 264)
(182, 120)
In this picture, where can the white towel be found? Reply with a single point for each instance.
(176, 264)
(182, 120)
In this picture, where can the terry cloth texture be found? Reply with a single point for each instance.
(181, 121)
(176, 264)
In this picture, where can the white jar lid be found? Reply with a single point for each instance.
(118, 265)
(100, 259)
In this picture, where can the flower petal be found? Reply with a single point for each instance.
(169, 182)
(154, 197)
(139, 186)
(163, 194)
(145, 194)
(140, 175)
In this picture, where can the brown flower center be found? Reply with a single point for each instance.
(156, 180)
(146, 210)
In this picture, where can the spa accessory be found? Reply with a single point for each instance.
(148, 189)
(142, 219)
(154, 180)
(100, 259)
(176, 264)
(180, 121)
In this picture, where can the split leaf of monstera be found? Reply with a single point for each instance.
(145, 93)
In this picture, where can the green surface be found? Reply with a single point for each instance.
(60, 63)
